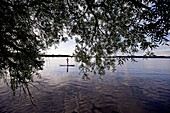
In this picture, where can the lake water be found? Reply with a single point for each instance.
(142, 87)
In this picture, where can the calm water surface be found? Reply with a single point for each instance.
(142, 87)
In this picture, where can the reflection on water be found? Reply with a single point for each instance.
(142, 87)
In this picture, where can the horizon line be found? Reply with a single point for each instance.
(110, 56)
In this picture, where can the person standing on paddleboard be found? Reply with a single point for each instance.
(67, 61)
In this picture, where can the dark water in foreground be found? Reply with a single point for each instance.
(142, 87)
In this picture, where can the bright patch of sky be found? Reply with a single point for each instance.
(64, 48)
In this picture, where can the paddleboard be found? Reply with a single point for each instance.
(67, 65)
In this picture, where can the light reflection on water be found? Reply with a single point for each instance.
(142, 87)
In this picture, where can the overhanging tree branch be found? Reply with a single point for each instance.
(139, 4)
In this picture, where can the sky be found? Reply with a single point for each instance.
(68, 47)
(64, 48)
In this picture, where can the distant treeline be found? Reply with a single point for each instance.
(110, 56)
(142, 56)
(56, 56)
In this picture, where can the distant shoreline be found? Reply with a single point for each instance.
(110, 56)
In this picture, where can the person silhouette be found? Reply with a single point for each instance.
(67, 64)
(67, 61)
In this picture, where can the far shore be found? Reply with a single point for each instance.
(110, 56)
